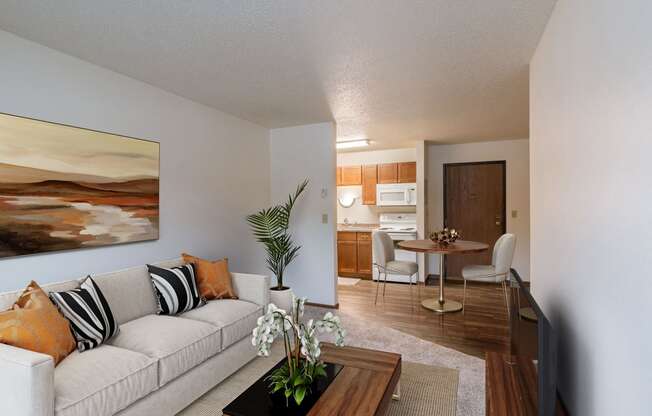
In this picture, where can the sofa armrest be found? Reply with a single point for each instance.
(252, 287)
(26, 382)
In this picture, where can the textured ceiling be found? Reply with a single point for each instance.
(393, 71)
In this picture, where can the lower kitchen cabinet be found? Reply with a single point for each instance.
(347, 257)
(364, 258)
(354, 254)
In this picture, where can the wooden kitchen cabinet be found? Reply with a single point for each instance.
(364, 258)
(347, 253)
(404, 172)
(354, 254)
(338, 181)
(369, 182)
(351, 175)
(388, 173)
(407, 172)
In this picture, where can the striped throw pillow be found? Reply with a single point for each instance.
(176, 289)
(89, 314)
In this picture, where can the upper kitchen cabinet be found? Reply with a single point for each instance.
(369, 181)
(350, 175)
(388, 173)
(407, 172)
(370, 175)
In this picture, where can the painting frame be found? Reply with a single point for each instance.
(135, 199)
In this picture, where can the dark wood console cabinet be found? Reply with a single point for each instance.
(511, 386)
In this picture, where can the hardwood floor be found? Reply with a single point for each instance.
(481, 328)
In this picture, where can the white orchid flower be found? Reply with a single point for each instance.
(276, 322)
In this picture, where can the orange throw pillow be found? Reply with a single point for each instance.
(35, 324)
(213, 278)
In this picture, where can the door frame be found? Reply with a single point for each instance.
(445, 199)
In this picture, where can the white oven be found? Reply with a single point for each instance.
(396, 194)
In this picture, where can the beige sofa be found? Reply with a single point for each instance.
(156, 365)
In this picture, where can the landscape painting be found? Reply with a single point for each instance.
(63, 188)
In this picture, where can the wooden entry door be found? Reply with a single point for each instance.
(474, 204)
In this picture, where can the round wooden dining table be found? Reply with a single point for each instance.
(430, 247)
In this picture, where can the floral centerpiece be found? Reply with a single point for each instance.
(445, 236)
(302, 364)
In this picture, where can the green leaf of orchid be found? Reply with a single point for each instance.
(299, 380)
(299, 394)
(320, 371)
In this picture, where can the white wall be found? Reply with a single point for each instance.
(515, 153)
(214, 167)
(422, 207)
(308, 152)
(368, 214)
(590, 126)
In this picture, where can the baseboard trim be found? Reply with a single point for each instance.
(322, 305)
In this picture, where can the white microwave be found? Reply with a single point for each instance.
(396, 194)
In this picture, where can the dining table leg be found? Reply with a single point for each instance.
(441, 304)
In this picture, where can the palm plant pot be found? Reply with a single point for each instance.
(281, 297)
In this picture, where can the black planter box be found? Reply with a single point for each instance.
(256, 400)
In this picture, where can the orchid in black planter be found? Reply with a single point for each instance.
(302, 364)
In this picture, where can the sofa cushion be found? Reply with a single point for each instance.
(89, 314)
(129, 292)
(176, 289)
(236, 318)
(35, 324)
(213, 277)
(178, 344)
(7, 299)
(102, 381)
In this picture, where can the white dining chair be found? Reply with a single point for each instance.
(497, 271)
(386, 263)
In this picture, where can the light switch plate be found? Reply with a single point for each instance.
(514, 213)
(324, 218)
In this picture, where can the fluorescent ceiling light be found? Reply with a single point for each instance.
(349, 144)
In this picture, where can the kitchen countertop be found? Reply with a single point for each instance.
(362, 228)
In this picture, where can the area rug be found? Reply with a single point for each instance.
(469, 382)
(425, 390)
(212, 403)
(347, 281)
(369, 334)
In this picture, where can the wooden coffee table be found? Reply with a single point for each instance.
(364, 386)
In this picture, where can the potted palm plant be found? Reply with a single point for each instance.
(270, 227)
